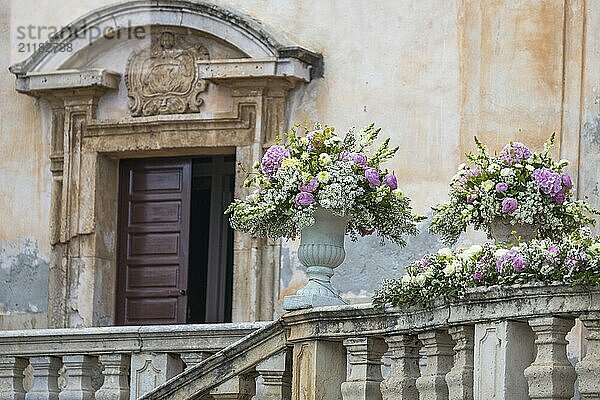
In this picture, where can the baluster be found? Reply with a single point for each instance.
(79, 378)
(460, 377)
(404, 371)
(116, 377)
(588, 369)
(364, 368)
(438, 348)
(276, 372)
(241, 387)
(11, 378)
(45, 378)
(551, 376)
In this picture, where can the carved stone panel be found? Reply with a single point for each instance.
(163, 78)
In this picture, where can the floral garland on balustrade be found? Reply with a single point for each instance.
(522, 186)
(317, 168)
(574, 260)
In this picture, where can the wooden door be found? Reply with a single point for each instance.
(154, 218)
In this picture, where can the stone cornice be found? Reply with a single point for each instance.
(68, 82)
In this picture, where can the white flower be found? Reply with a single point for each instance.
(488, 185)
(420, 279)
(428, 273)
(305, 156)
(595, 248)
(507, 172)
(530, 167)
(518, 165)
(472, 251)
(493, 168)
(398, 193)
(445, 252)
(462, 166)
(451, 268)
(305, 141)
(324, 158)
(500, 252)
(406, 279)
(323, 176)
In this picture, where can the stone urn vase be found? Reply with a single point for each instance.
(502, 231)
(321, 250)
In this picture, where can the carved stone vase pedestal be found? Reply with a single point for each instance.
(321, 250)
(502, 231)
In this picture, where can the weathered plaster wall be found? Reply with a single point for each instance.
(24, 198)
(589, 162)
(431, 73)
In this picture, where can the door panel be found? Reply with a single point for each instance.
(153, 241)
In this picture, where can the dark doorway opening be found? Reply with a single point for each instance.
(175, 246)
(211, 240)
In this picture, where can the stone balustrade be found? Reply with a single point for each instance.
(108, 363)
(501, 343)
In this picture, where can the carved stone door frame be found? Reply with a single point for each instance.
(86, 152)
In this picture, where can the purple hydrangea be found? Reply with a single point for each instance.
(474, 172)
(373, 177)
(514, 153)
(509, 205)
(566, 181)
(272, 159)
(551, 183)
(359, 159)
(471, 198)
(478, 275)
(304, 199)
(559, 198)
(310, 186)
(553, 249)
(501, 187)
(511, 260)
(390, 180)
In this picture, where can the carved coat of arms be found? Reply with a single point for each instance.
(163, 78)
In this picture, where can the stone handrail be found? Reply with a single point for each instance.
(503, 343)
(66, 363)
(237, 360)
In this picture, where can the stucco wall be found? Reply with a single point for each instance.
(431, 73)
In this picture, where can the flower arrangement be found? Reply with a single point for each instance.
(317, 168)
(519, 185)
(574, 260)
